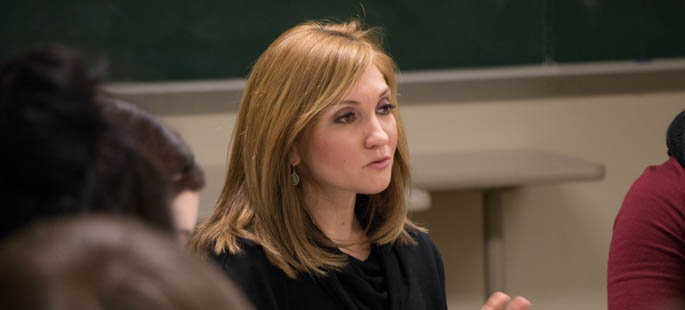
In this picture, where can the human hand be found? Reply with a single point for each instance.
(501, 301)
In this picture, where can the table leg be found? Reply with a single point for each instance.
(494, 242)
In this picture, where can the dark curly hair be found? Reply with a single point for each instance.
(675, 138)
(161, 144)
(60, 155)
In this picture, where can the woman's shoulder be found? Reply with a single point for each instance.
(419, 236)
(250, 259)
(422, 238)
(261, 281)
(422, 249)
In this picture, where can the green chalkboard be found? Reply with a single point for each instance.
(599, 30)
(202, 39)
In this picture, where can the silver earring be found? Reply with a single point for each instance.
(294, 177)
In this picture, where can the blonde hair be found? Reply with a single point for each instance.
(306, 70)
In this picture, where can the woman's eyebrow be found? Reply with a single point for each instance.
(355, 102)
(385, 92)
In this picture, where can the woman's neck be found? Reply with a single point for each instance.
(333, 213)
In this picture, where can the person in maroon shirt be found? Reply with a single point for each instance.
(647, 255)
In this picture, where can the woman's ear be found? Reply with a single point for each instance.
(294, 157)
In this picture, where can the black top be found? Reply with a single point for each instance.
(392, 277)
(366, 281)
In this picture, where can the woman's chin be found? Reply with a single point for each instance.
(372, 189)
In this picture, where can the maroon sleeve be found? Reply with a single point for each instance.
(646, 257)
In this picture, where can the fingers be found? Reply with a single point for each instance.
(519, 303)
(501, 301)
(497, 301)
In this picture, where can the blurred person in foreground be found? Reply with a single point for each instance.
(165, 147)
(107, 262)
(61, 157)
(66, 164)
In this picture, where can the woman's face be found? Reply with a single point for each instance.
(352, 144)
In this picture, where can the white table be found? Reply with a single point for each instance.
(491, 171)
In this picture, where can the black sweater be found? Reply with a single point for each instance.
(411, 277)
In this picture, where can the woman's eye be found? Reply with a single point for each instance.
(346, 118)
(385, 109)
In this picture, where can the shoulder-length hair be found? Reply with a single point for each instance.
(306, 70)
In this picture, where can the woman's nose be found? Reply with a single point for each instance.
(376, 135)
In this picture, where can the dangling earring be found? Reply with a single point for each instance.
(294, 177)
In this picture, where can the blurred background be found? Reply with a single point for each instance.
(594, 80)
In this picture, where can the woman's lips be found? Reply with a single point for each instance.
(379, 164)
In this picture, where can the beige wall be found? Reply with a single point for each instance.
(556, 236)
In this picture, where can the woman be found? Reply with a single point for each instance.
(312, 214)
